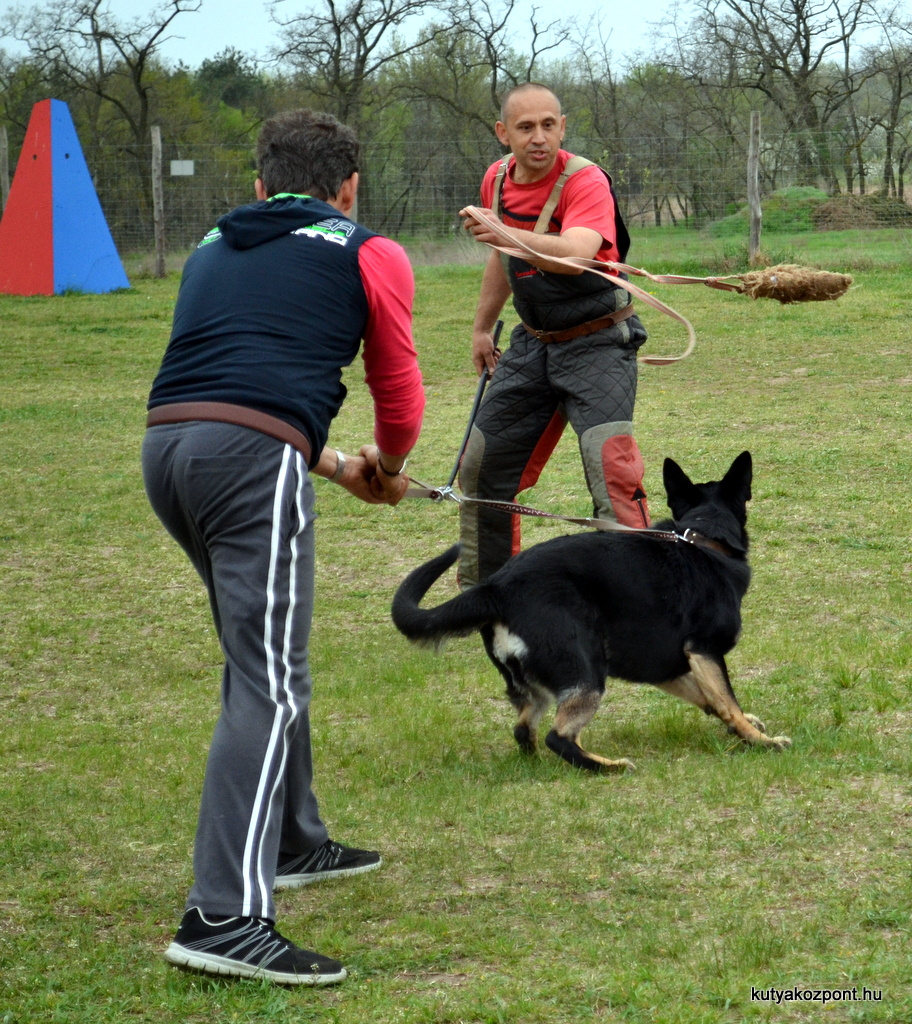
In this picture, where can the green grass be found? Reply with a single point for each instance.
(514, 889)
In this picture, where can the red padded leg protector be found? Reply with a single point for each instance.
(542, 452)
(623, 468)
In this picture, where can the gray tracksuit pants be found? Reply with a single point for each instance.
(240, 504)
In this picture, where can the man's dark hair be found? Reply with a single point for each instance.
(306, 152)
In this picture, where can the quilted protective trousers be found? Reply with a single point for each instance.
(536, 390)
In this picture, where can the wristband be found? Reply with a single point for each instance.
(387, 472)
(340, 467)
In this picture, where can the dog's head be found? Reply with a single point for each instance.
(717, 509)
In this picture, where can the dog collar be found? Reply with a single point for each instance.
(698, 540)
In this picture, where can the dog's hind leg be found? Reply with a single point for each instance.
(574, 713)
(531, 705)
(687, 689)
(716, 696)
(530, 700)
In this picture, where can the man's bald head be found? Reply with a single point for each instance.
(521, 91)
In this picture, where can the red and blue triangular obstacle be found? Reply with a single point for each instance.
(53, 235)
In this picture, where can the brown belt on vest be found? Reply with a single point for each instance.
(239, 415)
(589, 327)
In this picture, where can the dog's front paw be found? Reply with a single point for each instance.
(755, 722)
(779, 742)
(571, 751)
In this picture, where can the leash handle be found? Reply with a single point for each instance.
(482, 383)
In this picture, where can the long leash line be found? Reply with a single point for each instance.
(448, 493)
(513, 248)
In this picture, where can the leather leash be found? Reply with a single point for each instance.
(418, 489)
(511, 247)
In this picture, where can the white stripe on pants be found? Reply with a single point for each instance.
(241, 506)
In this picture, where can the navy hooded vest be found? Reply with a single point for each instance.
(271, 307)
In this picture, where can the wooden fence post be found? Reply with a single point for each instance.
(753, 186)
(158, 202)
(4, 167)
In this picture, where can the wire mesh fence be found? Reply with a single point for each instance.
(413, 189)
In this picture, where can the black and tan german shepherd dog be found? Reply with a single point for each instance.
(659, 606)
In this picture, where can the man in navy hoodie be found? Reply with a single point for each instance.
(274, 302)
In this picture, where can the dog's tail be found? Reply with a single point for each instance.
(459, 616)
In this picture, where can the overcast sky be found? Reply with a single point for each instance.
(246, 26)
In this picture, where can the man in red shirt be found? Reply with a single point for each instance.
(573, 356)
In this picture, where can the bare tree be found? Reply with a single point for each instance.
(493, 28)
(891, 59)
(598, 78)
(789, 50)
(341, 48)
(465, 68)
(94, 54)
(448, 79)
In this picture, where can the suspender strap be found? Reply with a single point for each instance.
(496, 203)
(574, 164)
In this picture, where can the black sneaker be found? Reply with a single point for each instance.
(331, 860)
(247, 947)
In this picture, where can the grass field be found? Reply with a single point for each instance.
(514, 890)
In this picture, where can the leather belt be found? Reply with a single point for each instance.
(589, 327)
(239, 415)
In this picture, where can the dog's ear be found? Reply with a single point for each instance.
(737, 481)
(681, 491)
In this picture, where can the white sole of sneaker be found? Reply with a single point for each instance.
(210, 963)
(297, 881)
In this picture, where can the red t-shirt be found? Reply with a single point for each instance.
(390, 363)
(586, 201)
